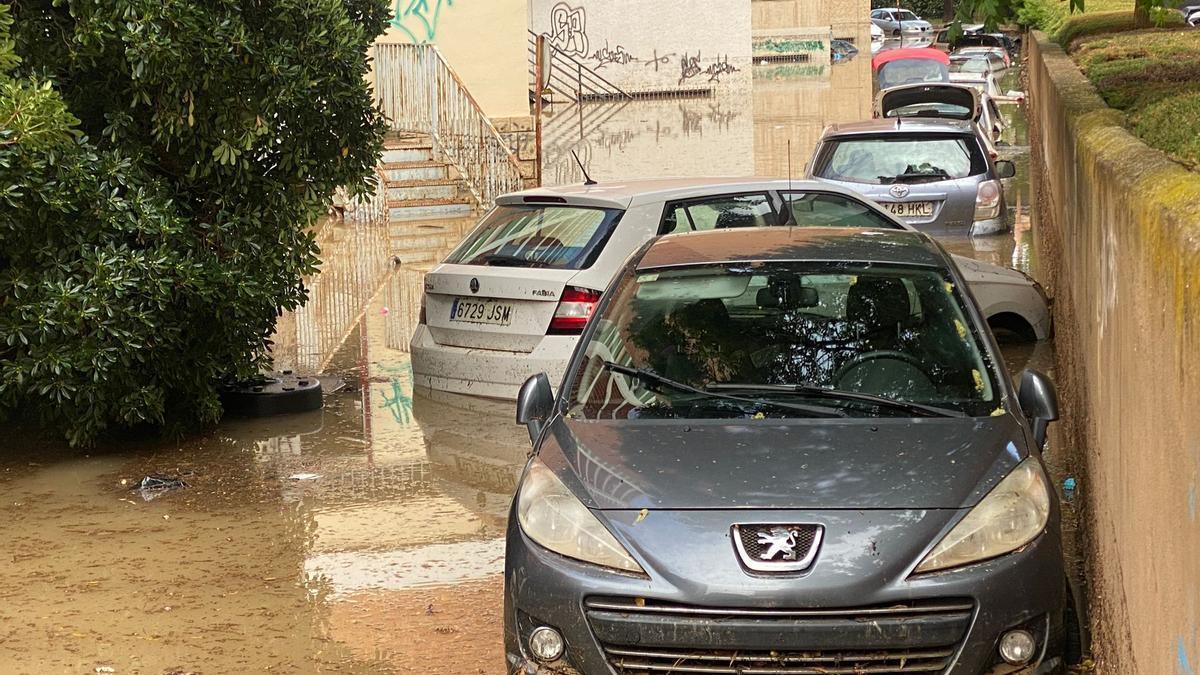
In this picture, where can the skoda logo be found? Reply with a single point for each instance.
(474, 285)
(899, 191)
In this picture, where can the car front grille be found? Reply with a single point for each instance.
(646, 637)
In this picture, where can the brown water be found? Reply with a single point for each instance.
(390, 558)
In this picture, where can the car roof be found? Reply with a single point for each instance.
(893, 125)
(828, 244)
(624, 194)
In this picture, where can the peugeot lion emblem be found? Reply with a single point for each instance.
(777, 547)
(899, 191)
(779, 542)
(474, 285)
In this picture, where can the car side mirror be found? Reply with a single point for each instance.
(535, 403)
(1039, 402)
(1005, 169)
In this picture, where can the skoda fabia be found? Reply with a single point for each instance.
(786, 450)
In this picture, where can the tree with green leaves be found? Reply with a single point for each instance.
(161, 166)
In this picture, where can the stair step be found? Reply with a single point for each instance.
(393, 155)
(416, 171)
(429, 208)
(422, 191)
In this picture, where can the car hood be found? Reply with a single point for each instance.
(877, 463)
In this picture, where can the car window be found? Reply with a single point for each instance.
(970, 64)
(900, 158)
(564, 237)
(718, 213)
(911, 71)
(894, 331)
(905, 15)
(816, 209)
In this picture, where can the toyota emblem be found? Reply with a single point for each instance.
(474, 285)
(899, 191)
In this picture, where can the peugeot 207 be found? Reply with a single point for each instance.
(786, 450)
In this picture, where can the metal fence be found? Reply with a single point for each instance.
(419, 92)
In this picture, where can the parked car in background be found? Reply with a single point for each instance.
(1193, 18)
(976, 63)
(935, 174)
(897, 22)
(876, 37)
(787, 450)
(512, 299)
(984, 82)
(911, 65)
(944, 101)
(1000, 54)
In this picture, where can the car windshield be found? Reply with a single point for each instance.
(900, 158)
(905, 15)
(934, 110)
(832, 335)
(912, 71)
(971, 64)
(564, 237)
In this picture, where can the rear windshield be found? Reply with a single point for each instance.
(561, 237)
(912, 158)
(912, 71)
(971, 64)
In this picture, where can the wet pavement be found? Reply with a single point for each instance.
(367, 537)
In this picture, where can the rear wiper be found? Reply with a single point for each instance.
(926, 410)
(652, 378)
(936, 174)
(502, 260)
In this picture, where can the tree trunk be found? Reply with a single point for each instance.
(948, 10)
(1141, 13)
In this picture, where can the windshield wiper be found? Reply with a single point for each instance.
(926, 410)
(502, 260)
(652, 378)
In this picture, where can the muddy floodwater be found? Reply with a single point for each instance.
(368, 537)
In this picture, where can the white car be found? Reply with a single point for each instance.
(513, 297)
(985, 83)
(999, 53)
(945, 100)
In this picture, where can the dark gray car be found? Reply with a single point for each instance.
(786, 450)
(937, 175)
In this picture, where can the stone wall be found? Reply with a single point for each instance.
(1119, 228)
(652, 46)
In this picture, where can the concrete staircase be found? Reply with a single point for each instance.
(430, 208)
(419, 185)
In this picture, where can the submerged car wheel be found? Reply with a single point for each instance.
(1010, 328)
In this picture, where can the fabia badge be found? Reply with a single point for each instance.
(474, 285)
(899, 191)
(777, 547)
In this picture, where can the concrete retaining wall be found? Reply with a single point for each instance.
(1119, 228)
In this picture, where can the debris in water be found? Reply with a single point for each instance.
(156, 485)
(1069, 489)
(105, 669)
(304, 476)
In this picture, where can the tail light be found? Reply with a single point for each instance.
(421, 318)
(574, 309)
(987, 200)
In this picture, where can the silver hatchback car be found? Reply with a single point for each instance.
(937, 175)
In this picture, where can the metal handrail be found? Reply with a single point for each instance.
(419, 92)
(587, 83)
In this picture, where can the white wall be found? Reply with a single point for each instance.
(652, 46)
(484, 41)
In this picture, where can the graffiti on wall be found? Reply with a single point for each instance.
(419, 18)
(568, 29)
(568, 32)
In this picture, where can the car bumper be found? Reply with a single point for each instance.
(969, 609)
(485, 372)
(990, 226)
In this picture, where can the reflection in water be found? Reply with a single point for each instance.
(391, 559)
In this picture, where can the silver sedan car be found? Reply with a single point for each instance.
(896, 22)
(937, 175)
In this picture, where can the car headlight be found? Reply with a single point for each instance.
(1010, 516)
(551, 516)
